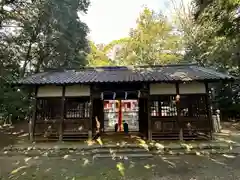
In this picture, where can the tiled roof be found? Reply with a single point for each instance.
(167, 73)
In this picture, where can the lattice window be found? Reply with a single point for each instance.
(77, 108)
(168, 106)
(48, 108)
(163, 106)
(193, 105)
(155, 108)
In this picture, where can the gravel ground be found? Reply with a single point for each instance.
(157, 168)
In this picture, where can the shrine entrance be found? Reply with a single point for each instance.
(121, 115)
(122, 109)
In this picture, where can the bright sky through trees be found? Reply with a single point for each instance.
(112, 19)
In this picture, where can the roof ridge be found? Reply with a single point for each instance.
(119, 67)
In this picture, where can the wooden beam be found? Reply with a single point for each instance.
(32, 120)
(62, 114)
(209, 110)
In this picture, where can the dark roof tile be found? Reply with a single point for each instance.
(127, 74)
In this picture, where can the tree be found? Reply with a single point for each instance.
(98, 55)
(36, 35)
(211, 37)
(153, 41)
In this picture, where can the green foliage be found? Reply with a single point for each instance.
(98, 56)
(153, 41)
(212, 38)
(36, 35)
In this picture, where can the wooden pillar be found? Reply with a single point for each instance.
(178, 99)
(120, 115)
(149, 115)
(32, 120)
(209, 110)
(90, 129)
(62, 114)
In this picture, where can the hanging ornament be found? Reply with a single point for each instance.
(114, 95)
(126, 94)
(101, 95)
(178, 98)
(139, 93)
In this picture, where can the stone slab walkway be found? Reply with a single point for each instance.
(155, 147)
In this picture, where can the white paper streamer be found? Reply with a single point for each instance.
(102, 95)
(114, 95)
(126, 95)
(139, 94)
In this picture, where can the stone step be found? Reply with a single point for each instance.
(123, 156)
(121, 150)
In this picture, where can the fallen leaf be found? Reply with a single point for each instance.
(66, 156)
(17, 163)
(47, 170)
(90, 142)
(120, 168)
(159, 146)
(147, 166)
(36, 157)
(141, 141)
(27, 159)
(23, 135)
(228, 156)
(198, 153)
(145, 146)
(18, 169)
(99, 141)
(86, 161)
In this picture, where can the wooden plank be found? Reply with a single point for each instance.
(32, 121)
(62, 114)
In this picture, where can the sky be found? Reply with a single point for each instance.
(112, 19)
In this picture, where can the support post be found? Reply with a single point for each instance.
(62, 114)
(120, 115)
(149, 116)
(178, 99)
(209, 110)
(32, 121)
(90, 131)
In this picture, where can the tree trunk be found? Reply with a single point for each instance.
(26, 59)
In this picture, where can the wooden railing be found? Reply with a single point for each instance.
(168, 127)
(73, 129)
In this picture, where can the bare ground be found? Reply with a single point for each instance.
(74, 167)
(157, 168)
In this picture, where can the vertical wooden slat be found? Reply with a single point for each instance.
(32, 120)
(209, 111)
(62, 114)
(149, 115)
